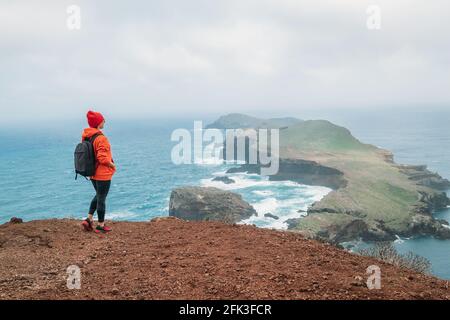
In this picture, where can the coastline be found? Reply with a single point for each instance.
(431, 199)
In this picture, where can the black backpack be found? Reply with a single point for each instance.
(84, 157)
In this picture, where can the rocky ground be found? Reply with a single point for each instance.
(173, 259)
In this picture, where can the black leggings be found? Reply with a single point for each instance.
(98, 202)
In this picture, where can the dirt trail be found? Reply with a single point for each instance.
(173, 259)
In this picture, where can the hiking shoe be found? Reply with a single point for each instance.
(104, 229)
(87, 225)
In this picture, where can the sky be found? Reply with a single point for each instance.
(178, 58)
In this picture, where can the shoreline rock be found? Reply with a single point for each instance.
(208, 204)
(270, 215)
(301, 171)
(424, 177)
(224, 179)
(15, 220)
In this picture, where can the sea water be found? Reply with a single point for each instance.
(37, 178)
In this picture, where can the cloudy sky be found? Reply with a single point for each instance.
(176, 57)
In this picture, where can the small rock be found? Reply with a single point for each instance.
(356, 284)
(224, 179)
(359, 278)
(15, 220)
(208, 203)
(270, 215)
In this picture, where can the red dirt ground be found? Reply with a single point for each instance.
(174, 259)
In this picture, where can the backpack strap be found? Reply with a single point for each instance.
(92, 138)
(76, 176)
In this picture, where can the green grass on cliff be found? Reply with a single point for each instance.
(320, 135)
(376, 190)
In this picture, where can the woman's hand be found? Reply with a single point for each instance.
(112, 165)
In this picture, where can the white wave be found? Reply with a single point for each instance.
(283, 209)
(244, 180)
(115, 215)
(121, 215)
(268, 222)
(284, 199)
(399, 240)
(263, 192)
(267, 205)
(264, 222)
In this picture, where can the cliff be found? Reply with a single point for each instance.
(208, 204)
(370, 190)
(169, 258)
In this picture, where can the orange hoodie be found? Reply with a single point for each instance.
(102, 150)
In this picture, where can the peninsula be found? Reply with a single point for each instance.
(373, 197)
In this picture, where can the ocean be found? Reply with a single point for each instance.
(37, 178)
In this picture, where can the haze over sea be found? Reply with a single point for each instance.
(37, 178)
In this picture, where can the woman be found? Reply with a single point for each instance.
(105, 169)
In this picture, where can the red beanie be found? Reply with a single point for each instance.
(94, 119)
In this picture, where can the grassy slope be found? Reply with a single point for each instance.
(237, 120)
(376, 189)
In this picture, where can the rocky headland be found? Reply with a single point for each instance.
(373, 198)
(208, 204)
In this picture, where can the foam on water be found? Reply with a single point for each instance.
(264, 193)
(123, 215)
(398, 240)
(266, 205)
(284, 199)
